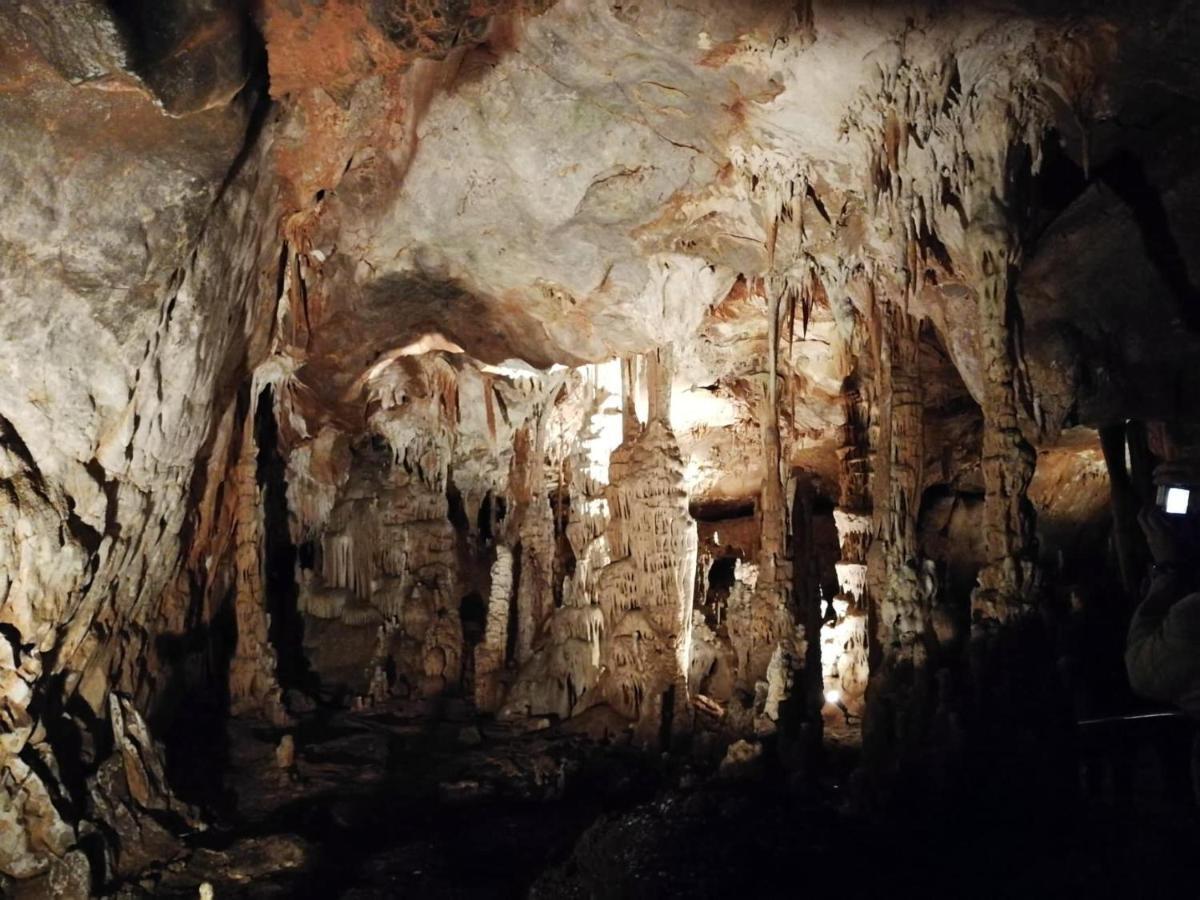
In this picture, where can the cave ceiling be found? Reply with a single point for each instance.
(566, 183)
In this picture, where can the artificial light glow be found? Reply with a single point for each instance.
(833, 696)
(1177, 501)
(433, 340)
(511, 368)
(700, 408)
(606, 429)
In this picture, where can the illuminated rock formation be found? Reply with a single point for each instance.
(367, 353)
(647, 598)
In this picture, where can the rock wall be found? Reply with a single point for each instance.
(128, 325)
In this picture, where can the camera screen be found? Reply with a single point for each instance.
(1177, 501)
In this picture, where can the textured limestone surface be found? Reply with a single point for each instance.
(521, 350)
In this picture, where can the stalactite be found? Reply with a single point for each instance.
(310, 498)
(771, 621)
(659, 377)
(629, 418)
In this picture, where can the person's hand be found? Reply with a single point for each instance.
(1160, 535)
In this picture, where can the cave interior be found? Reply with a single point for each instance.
(593, 448)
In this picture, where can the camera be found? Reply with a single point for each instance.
(1179, 499)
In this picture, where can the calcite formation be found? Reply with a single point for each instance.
(651, 368)
(253, 686)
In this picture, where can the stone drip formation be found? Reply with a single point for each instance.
(679, 375)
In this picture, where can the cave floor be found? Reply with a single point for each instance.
(436, 803)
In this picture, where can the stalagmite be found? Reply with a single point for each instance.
(646, 593)
(252, 681)
(490, 653)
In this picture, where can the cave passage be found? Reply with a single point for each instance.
(567, 448)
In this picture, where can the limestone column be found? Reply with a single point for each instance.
(490, 654)
(844, 642)
(900, 696)
(1015, 721)
(253, 686)
(534, 522)
(1008, 460)
(660, 375)
(770, 621)
(647, 591)
(772, 515)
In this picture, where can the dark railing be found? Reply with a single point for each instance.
(1139, 761)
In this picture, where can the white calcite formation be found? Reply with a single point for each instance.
(646, 592)
(491, 653)
(622, 637)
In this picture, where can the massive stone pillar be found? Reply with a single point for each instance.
(561, 674)
(780, 663)
(900, 699)
(760, 615)
(535, 531)
(1008, 459)
(647, 592)
(1015, 720)
(660, 373)
(773, 574)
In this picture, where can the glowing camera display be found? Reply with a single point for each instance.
(1175, 501)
